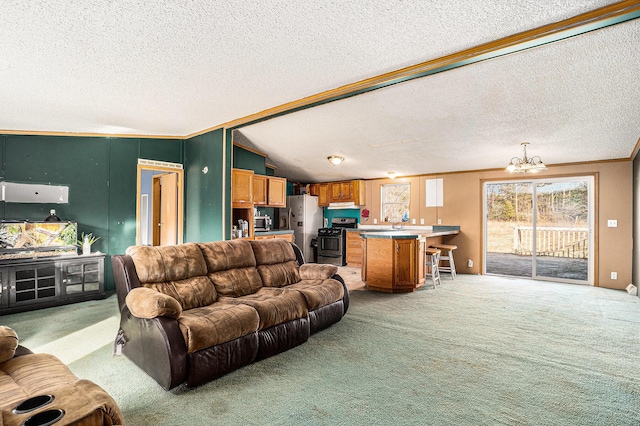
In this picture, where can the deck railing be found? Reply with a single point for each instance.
(552, 241)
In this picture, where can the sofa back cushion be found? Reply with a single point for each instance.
(276, 262)
(232, 267)
(178, 271)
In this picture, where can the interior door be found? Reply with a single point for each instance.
(162, 186)
(169, 209)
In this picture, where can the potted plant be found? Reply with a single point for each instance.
(86, 241)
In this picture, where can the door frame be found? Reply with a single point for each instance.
(592, 182)
(150, 165)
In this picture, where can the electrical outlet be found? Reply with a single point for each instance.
(413, 221)
(469, 263)
(614, 275)
(612, 223)
(375, 220)
(439, 221)
(421, 221)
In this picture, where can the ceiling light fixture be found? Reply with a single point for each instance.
(335, 159)
(525, 164)
(392, 175)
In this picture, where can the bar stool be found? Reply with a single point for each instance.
(431, 268)
(447, 256)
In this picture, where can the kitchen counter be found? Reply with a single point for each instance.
(273, 232)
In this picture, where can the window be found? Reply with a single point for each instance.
(395, 202)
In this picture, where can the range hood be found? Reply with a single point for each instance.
(343, 205)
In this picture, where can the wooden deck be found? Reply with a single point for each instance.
(552, 267)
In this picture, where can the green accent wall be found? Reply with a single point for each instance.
(100, 173)
(204, 200)
(247, 160)
(330, 214)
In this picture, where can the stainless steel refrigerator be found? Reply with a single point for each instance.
(304, 217)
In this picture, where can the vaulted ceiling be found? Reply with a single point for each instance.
(178, 68)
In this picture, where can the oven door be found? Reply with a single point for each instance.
(331, 250)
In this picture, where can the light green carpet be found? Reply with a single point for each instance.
(478, 350)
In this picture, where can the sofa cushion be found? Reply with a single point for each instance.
(167, 263)
(8, 343)
(225, 255)
(276, 262)
(319, 293)
(148, 303)
(215, 324)
(32, 374)
(317, 271)
(232, 267)
(190, 293)
(274, 305)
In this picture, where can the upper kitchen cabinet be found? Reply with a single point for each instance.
(349, 191)
(250, 189)
(277, 192)
(260, 184)
(242, 188)
(321, 190)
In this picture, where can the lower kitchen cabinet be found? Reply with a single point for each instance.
(394, 265)
(354, 249)
(34, 283)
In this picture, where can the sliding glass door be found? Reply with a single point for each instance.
(539, 229)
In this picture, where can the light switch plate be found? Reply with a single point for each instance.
(612, 223)
(614, 275)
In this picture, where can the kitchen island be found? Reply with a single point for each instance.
(394, 261)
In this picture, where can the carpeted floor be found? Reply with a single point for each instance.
(477, 350)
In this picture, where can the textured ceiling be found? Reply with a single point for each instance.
(174, 68)
(574, 101)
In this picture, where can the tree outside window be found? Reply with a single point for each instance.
(395, 202)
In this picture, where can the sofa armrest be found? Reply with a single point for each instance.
(156, 345)
(315, 271)
(124, 276)
(148, 303)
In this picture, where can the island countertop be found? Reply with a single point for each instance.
(426, 232)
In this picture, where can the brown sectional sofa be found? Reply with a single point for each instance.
(196, 311)
(35, 388)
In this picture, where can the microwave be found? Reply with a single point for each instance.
(261, 223)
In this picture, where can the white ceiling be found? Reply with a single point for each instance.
(174, 68)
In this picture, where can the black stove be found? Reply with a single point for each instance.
(332, 242)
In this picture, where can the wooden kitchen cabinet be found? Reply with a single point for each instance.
(394, 265)
(288, 237)
(354, 249)
(260, 185)
(242, 188)
(349, 191)
(323, 194)
(277, 192)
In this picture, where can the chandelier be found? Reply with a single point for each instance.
(525, 164)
